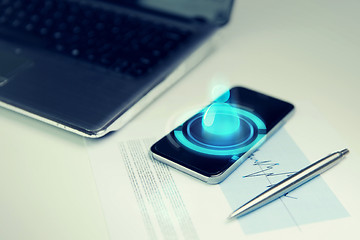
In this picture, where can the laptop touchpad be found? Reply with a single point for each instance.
(10, 64)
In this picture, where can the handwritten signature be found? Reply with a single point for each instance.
(267, 169)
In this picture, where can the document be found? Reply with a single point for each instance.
(145, 199)
(276, 160)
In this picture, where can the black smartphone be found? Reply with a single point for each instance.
(215, 141)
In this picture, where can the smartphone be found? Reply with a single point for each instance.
(215, 141)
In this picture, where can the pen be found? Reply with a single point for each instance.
(290, 183)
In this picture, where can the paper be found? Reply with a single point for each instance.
(310, 203)
(144, 199)
(162, 209)
(139, 192)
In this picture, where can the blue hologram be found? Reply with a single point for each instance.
(220, 119)
(222, 91)
(218, 140)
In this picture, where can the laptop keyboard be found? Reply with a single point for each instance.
(117, 42)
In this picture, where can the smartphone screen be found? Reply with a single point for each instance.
(215, 141)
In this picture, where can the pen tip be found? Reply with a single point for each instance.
(235, 214)
(232, 216)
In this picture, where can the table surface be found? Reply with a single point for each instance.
(298, 51)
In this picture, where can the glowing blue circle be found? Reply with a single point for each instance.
(249, 118)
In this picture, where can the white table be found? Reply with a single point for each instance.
(295, 50)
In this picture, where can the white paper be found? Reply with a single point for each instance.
(145, 199)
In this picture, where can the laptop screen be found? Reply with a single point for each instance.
(215, 11)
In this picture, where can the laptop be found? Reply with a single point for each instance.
(89, 66)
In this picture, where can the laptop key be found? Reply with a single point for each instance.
(120, 43)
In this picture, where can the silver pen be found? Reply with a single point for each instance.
(290, 183)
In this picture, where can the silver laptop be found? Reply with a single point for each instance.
(89, 66)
